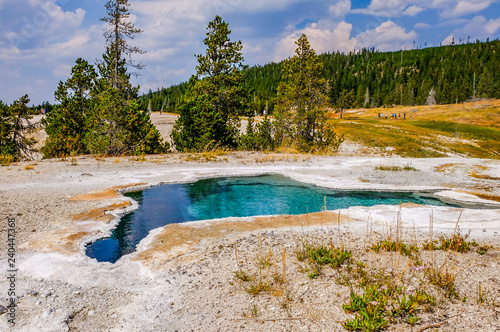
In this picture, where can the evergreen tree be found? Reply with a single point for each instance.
(66, 125)
(303, 100)
(7, 145)
(215, 96)
(15, 125)
(249, 140)
(265, 133)
(118, 51)
(101, 115)
(346, 100)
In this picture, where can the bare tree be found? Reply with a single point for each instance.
(431, 98)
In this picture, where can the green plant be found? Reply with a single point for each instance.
(369, 314)
(412, 319)
(318, 256)
(257, 287)
(242, 275)
(456, 242)
(483, 249)
(279, 279)
(399, 246)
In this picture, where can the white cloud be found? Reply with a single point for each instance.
(492, 26)
(478, 28)
(323, 36)
(422, 25)
(466, 7)
(386, 37)
(446, 8)
(40, 23)
(340, 9)
(412, 11)
(384, 8)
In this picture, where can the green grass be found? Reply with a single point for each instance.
(463, 130)
(318, 256)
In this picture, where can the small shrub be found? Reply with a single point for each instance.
(321, 255)
(457, 242)
(483, 249)
(6, 160)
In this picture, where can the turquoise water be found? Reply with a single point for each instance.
(230, 197)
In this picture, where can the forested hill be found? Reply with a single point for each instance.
(370, 78)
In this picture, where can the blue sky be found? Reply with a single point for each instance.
(41, 39)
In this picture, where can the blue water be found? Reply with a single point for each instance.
(230, 197)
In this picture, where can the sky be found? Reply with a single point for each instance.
(41, 39)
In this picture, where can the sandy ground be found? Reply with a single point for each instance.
(181, 276)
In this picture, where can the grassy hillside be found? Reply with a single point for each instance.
(469, 129)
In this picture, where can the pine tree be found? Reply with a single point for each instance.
(7, 145)
(116, 126)
(66, 124)
(15, 125)
(303, 100)
(215, 96)
(346, 100)
(113, 67)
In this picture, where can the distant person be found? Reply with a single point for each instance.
(404, 116)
